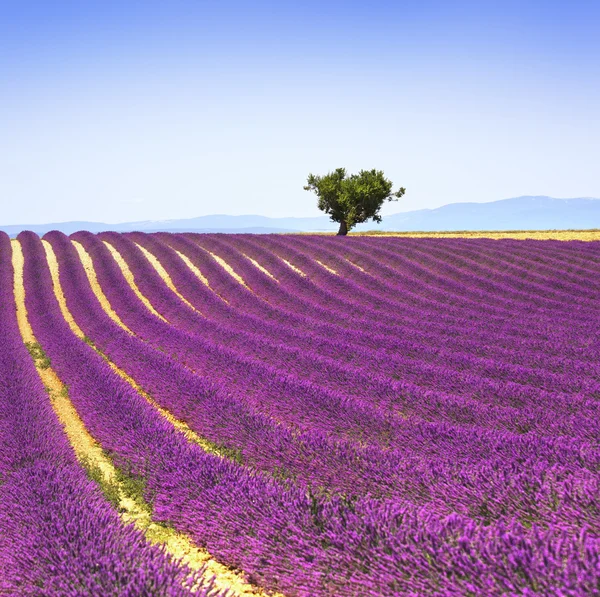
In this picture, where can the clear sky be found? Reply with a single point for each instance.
(120, 110)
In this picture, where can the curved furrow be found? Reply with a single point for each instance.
(521, 261)
(290, 311)
(276, 294)
(430, 349)
(327, 541)
(547, 331)
(355, 467)
(351, 380)
(576, 254)
(111, 408)
(498, 270)
(301, 291)
(440, 287)
(266, 389)
(86, 306)
(499, 283)
(133, 506)
(61, 532)
(218, 416)
(372, 282)
(530, 257)
(319, 305)
(459, 490)
(422, 328)
(212, 360)
(444, 279)
(327, 291)
(90, 273)
(533, 343)
(407, 471)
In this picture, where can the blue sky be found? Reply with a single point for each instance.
(117, 111)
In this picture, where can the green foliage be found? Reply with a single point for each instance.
(234, 454)
(42, 361)
(354, 199)
(124, 483)
(89, 341)
(133, 486)
(108, 487)
(316, 509)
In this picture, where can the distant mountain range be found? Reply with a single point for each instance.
(519, 213)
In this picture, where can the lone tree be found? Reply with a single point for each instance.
(354, 199)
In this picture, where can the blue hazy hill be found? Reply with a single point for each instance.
(519, 213)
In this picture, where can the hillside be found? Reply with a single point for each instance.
(518, 213)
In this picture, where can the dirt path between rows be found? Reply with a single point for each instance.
(132, 509)
(162, 272)
(260, 267)
(131, 280)
(90, 272)
(229, 270)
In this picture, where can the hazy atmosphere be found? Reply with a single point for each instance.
(118, 111)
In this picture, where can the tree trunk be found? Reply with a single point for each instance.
(343, 228)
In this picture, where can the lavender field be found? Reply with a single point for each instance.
(298, 415)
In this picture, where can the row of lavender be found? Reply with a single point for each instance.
(425, 455)
(378, 360)
(412, 294)
(422, 344)
(340, 465)
(58, 535)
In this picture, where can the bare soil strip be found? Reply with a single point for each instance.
(260, 267)
(180, 425)
(162, 272)
(196, 271)
(293, 267)
(229, 270)
(354, 264)
(132, 509)
(131, 280)
(330, 270)
(198, 274)
(88, 266)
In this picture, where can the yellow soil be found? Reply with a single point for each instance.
(53, 263)
(84, 445)
(18, 263)
(132, 510)
(584, 235)
(229, 269)
(260, 267)
(88, 266)
(355, 265)
(162, 272)
(332, 271)
(58, 293)
(198, 274)
(127, 273)
(196, 271)
(180, 425)
(293, 267)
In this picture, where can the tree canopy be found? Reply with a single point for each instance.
(354, 199)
